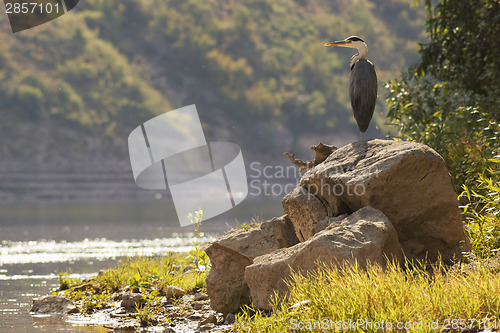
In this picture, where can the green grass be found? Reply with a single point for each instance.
(145, 274)
(460, 298)
(147, 311)
(254, 222)
(481, 212)
(94, 301)
(150, 276)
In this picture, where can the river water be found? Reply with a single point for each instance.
(35, 246)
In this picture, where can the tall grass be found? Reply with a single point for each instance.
(482, 211)
(349, 298)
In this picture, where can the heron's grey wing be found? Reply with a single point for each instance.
(363, 92)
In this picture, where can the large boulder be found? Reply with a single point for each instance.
(365, 236)
(232, 252)
(407, 181)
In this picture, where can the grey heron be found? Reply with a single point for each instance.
(362, 82)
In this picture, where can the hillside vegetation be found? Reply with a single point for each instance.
(257, 70)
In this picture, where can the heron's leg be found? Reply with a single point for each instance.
(361, 135)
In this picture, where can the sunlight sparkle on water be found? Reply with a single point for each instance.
(97, 249)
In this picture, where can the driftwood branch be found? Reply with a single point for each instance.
(321, 151)
(303, 166)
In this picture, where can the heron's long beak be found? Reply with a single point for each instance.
(338, 43)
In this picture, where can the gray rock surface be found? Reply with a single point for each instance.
(200, 296)
(232, 252)
(174, 292)
(365, 236)
(53, 304)
(407, 181)
(130, 300)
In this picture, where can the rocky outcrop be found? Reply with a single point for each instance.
(231, 253)
(407, 181)
(366, 201)
(53, 305)
(365, 236)
(308, 210)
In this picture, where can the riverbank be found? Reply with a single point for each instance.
(167, 294)
(161, 294)
(29, 268)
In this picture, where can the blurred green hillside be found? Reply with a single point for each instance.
(257, 71)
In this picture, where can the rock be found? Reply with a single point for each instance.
(83, 287)
(174, 292)
(232, 252)
(365, 236)
(306, 209)
(206, 327)
(212, 319)
(194, 316)
(53, 304)
(117, 296)
(323, 224)
(200, 296)
(168, 330)
(130, 300)
(175, 315)
(407, 181)
(197, 305)
(230, 319)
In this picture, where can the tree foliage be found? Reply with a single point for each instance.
(451, 99)
(451, 102)
(256, 69)
(66, 73)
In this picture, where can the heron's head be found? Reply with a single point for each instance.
(353, 42)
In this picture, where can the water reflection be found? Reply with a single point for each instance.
(28, 270)
(97, 249)
(53, 323)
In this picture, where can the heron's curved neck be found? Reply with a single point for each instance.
(362, 52)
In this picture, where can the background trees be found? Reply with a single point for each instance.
(451, 102)
(257, 70)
